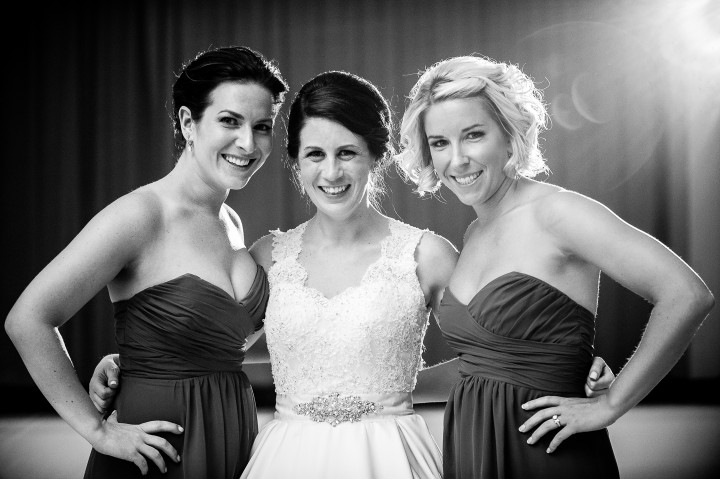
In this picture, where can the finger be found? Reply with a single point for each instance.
(562, 434)
(538, 419)
(140, 462)
(544, 401)
(541, 430)
(105, 394)
(597, 367)
(153, 455)
(606, 380)
(595, 391)
(99, 404)
(163, 446)
(113, 376)
(153, 427)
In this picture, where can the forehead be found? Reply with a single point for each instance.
(449, 115)
(247, 99)
(323, 133)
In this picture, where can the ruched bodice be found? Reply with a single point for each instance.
(518, 339)
(181, 352)
(187, 327)
(521, 330)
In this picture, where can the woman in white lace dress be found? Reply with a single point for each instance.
(351, 291)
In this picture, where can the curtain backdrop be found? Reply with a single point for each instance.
(634, 107)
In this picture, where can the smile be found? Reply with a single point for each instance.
(334, 190)
(466, 180)
(237, 160)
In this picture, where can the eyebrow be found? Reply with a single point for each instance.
(342, 147)
(467, 128)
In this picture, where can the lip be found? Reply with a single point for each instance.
(467, 179)
(238, 161)
(334, 191)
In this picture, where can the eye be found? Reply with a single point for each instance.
(229, 121)
(263, 128)
(475, 135)
(438, 144)
(347, 154)
(315, 155)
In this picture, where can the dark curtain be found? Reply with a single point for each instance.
(87, 120)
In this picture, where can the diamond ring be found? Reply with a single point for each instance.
(556, 419)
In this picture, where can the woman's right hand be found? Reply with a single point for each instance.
(104, 383)
(137, 443)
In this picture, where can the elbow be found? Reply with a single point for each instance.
(701, 300)
(12, 326)
(706, 302)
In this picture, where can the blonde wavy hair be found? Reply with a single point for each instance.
(510, 96)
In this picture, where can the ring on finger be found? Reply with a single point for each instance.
(556, 420)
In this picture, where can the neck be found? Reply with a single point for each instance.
(188, 184)
(499, 203)
(361, 224)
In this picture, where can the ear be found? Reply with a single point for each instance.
(186, 121)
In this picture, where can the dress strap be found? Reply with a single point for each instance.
(287, 245)
(403, 241)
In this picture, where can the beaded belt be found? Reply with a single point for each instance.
(336, 409)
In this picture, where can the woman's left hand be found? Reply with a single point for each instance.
(567, 416)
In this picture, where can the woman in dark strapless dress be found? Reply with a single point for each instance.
(186, 292)
(520, 306)
(518, 339)
(181, 362)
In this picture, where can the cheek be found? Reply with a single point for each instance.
(305, 174)
(436, 160)
(265, 144)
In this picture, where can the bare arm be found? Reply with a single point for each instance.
(642, 264)
(95, 256)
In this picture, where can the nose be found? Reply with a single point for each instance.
(332, 169)
(458, 156)
(245, 139)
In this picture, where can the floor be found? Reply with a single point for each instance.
(650, 442)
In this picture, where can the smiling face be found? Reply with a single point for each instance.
(233, 138)
(468, 147)
(335, 167)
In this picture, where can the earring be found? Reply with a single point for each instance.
(190, 144)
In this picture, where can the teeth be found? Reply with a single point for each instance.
(334, 190)
(236, 160)
(467, 179)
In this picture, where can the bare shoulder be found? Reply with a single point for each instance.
(261, 251)
(432, 246)
(436, 258)
(136, 215)
(562, 206)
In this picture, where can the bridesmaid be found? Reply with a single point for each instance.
(186, 292)
(520, 306)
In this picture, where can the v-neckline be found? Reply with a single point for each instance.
(316, 292)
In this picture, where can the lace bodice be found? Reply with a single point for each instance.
(367, 339)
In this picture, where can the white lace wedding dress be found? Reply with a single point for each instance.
(344, 370)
